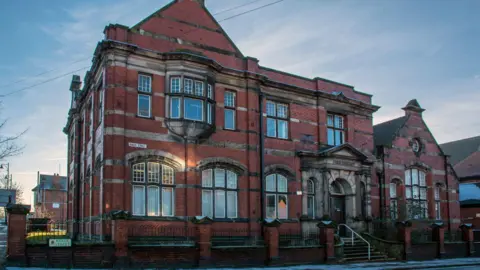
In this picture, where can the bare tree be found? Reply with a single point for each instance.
(9, 143)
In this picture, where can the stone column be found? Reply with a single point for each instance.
(17, 226)
(120, 237)
(438, 231)
(467, 230)
(325, 206)
(327, 238)
(404, 229)
(204, 239)
(270, 227)
(358, 194)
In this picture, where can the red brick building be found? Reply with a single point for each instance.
(465, 157)
(50, 197)
(418, 181)
(173, 121)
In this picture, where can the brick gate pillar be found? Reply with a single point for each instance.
(204, 239)
(17, 227)
(120, 237)
(271, 238)
(404, 230)
(467, 236)
(438, 235)
(327, 238)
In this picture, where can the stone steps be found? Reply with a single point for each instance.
(358, 252)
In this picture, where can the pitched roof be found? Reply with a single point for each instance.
(384, 133)
(461, 149)
(51, 182)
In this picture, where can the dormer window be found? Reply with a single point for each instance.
(190, 104)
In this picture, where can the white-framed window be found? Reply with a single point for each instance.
(393, 201)
(230, 113)
(277, 120)
(144, 103)
(276, 196)
(219, 193)
(153, 188)
(189, 100)
(335, 129)
(311, 198)
(438, 209)
(416, 194)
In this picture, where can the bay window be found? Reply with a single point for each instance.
(188, 99)
(276, 196)
(144, 100)
(152, 189)
(335, 130)
(277, 120)
(416, 194)
(219, 193)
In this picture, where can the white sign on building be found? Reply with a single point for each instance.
(137, 145)
(56, 205)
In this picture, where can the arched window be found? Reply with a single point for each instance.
(277, 196)
(219, 194)
(311, 198)
(416, 194)
(153, 189)
(438, 210)
(393, 200)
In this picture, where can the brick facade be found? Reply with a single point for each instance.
(108, 136)
(50, 197)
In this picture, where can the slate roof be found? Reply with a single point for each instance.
(52, 182)
(461, 149)
(384, 133)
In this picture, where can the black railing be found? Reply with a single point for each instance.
(237, 238)
(161, 235)
(297, 238)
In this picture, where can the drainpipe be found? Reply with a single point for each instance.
(261, 155)
(448, 191)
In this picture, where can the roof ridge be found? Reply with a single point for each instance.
(391, 120)
(462, 140)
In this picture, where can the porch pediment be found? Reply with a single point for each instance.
(343, 156)
(345, 151)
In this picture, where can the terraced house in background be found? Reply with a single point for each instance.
(173, 121)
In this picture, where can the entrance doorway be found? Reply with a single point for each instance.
(337, 211)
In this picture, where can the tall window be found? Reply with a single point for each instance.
(277, 200)
(219, 194)
(393, 201)
(229, 101)
(277, 120)
(438, 211)
(335, 129)
(311, 198)
(100, 105)
(90, 124)
(153, 189)
(416, 194)
(190, 101)
(144, 95)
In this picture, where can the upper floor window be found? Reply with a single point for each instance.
(152, 189)
(276, 196)
(335, 129)
(229, 102)
(219, 193)
(144, 96)
(416, 194)
(438, 212)
(277, 120)
(190, 101)
(311, 198)
(100, 105)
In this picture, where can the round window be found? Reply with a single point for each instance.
(416, 145)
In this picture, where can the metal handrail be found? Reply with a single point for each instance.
(355, 233)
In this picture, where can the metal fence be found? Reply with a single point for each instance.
(297, 238)
(242, 237)
(161, 235)
(40, 232)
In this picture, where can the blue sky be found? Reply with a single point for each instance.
(396, 50)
